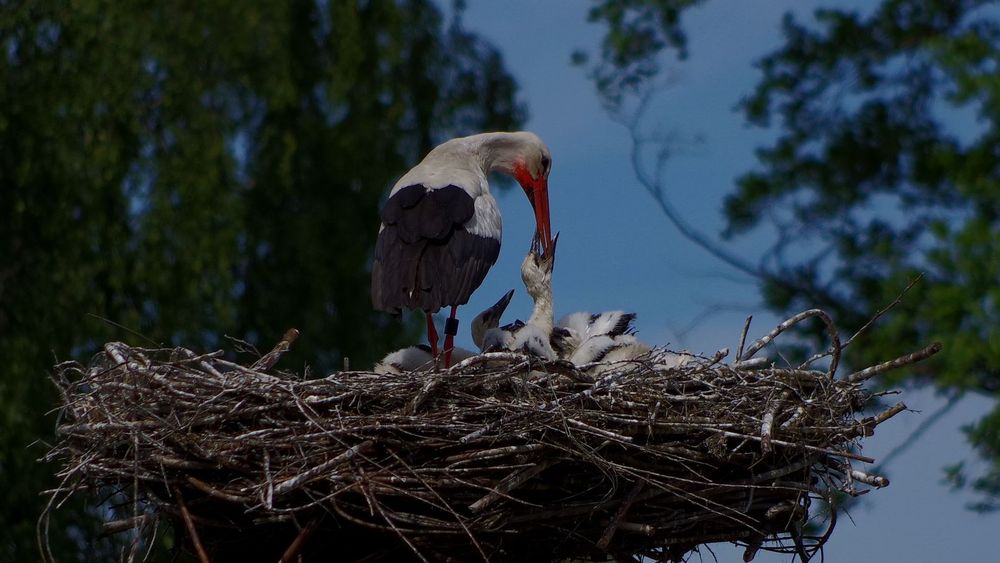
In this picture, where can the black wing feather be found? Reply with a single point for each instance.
(424, 257)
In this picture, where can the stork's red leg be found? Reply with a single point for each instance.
(450, 330)
(432, 335)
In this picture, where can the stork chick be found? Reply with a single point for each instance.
(584, 338)
(533, 336)
(421, 357)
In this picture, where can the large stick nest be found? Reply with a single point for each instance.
(500, 458)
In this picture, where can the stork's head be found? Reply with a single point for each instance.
(525, 157)
(489, 319)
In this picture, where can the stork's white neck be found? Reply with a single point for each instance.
(501, 152)
(493, 152)
(541, 315)
(467, 161)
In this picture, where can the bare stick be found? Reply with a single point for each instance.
(212, 491)
(876, 481)
(432, 383)
(509, 357)
(512, 482)
(304, 477)
(126, 329)
(272, 357)
(889, 413)
(870, 322)
(373, 502)
(767, 424)
(831, 329)
(884, 310)
(192, 531)
(901, 361)
(743, 338)
(295, 547)
(124, 524)
(609, 532)
(752, 363)
(839, 453)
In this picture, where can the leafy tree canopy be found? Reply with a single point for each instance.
(886, 166)
(638, 30)
(198, 169)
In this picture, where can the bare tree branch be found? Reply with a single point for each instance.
(651, 179)
(653, 183)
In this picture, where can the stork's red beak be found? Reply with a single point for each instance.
(537, 191)
(539, 197)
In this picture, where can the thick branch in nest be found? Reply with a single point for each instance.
(501, 458)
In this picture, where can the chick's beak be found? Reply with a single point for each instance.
(496, 311)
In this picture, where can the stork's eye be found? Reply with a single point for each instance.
(546, 163)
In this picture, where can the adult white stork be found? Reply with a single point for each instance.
(441, 227)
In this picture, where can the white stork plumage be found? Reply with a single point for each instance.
(441, 227)
(607, 339)
(584, 338)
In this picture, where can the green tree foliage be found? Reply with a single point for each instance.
(886, 166)
(196, 169)
(872, 167)
(637, 31)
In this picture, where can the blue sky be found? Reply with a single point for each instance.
(617, 251)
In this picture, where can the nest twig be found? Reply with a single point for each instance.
(501, 458)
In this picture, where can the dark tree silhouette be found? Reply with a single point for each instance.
(189, 170)
(886, 167)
